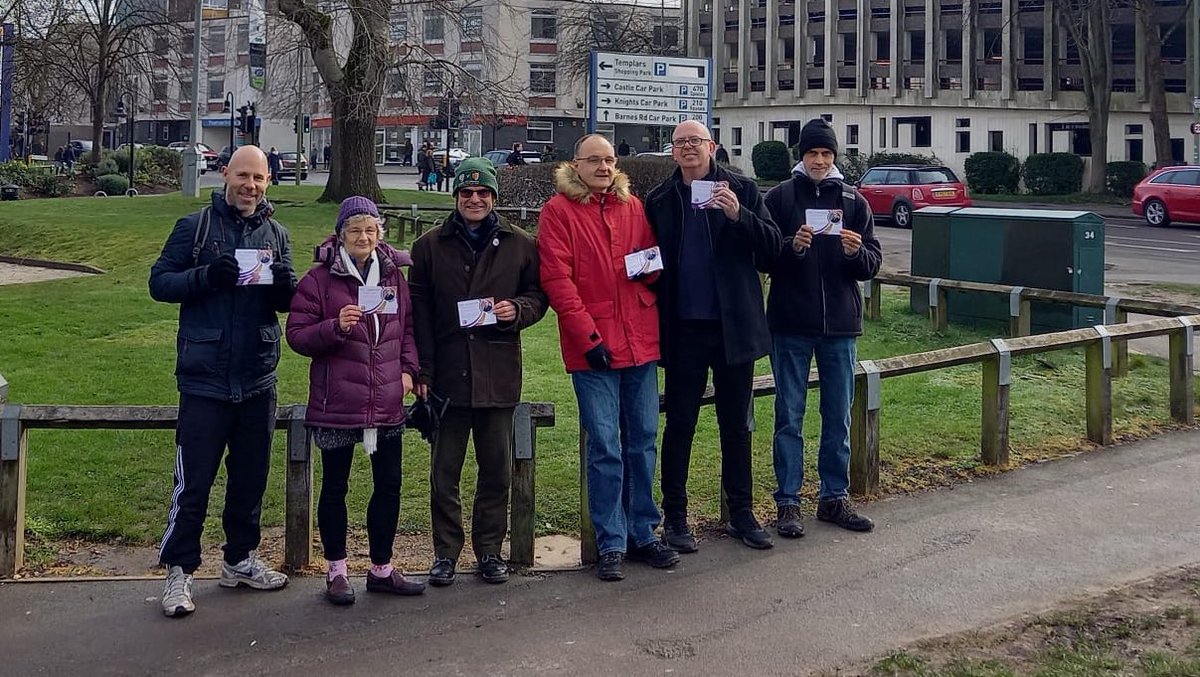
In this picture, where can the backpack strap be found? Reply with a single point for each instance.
(787, 197)
(201, 235)
(849, 204)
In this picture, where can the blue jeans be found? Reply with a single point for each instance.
(619, 413)
(791, 359)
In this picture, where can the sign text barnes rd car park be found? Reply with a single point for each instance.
(639, 89)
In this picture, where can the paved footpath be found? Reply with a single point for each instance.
(939, 562)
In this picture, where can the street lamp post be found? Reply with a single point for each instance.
(229, 109)
(129, 114)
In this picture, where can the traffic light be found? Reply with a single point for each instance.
(307, 124)
(455, 117)
(241, 121)
(296, 124)
(251, 121)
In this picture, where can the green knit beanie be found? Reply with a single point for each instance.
(476, 171)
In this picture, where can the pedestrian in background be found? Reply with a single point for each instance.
(363, 366)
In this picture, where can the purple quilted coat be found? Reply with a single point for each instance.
(354, 380)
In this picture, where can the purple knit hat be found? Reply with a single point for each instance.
(355, 205)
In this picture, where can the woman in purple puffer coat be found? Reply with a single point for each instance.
(363, 366)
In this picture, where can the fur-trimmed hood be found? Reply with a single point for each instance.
(567, 182)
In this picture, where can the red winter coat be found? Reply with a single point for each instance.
(582, 241)
(355, 379)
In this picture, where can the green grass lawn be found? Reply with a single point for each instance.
(102, 340)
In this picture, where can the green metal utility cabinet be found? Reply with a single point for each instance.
(1049, 249)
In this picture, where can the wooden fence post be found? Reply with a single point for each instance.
(1099, 388)
(873, 290)
(1183, 398)
(864, 432)
(997, 373)
(13, 454)
(523, 497)
(1020, 314)
(298, 521)
(587, 531)
(1121, 348)
(939, 315)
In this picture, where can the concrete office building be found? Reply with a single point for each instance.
(947, 77)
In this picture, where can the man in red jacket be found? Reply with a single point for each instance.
(608, 326)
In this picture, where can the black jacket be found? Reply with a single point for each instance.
(815, 291)
(228, 341)
(740, 249)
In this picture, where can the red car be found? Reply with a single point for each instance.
(1169, 194)
(894, 191)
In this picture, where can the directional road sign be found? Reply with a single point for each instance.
(641, 89)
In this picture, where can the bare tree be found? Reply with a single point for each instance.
(1155, 78)
(91, 46)
(1088, 24)
(605, 26)
(359, 62)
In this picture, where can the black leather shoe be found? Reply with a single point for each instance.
(609, 568)
(493, 569)
(678, 536)
(747, 529)
(788, 522)
(339, 592)
(441, 573)
(656, 554)
(841, 512)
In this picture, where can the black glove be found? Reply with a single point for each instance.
(599, 358)
(283, 284)
(223, 273)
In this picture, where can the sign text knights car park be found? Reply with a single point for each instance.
(637, 89)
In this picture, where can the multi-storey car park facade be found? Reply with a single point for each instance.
(947, 77)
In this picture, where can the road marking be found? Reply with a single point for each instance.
(1146, 239)
(1116, 225)
(1156, 249)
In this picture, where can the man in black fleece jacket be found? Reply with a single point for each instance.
(814, 309)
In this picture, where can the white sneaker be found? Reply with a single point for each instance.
(252, 572)
(177, 598)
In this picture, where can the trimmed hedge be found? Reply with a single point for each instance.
(1123, 176)
(113, 184)
(771, 160)
(992, 172)
(1053, 173)
(878, 159)
(852, 166)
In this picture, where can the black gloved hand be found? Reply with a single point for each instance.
(599, 358)
(282, 276)
(223, 273)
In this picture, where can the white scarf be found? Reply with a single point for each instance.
(370, 435)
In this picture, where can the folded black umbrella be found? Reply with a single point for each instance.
(425, 415)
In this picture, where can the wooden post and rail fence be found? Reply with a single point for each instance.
(1103, 345)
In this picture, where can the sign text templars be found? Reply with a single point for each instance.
(641, 89)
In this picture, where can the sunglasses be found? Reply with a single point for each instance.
(474, 192)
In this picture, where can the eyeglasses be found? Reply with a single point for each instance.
(359, 232)
(691, 141)
(596, 160)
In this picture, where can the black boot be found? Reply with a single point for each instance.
(744, 527)
(841, 512)
(678, 536)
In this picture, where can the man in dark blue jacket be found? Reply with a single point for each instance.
(228, 348)
(815, 309)
(711, 318)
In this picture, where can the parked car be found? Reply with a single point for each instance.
(81, 146)
(223, 156)
(1169, 194)
(894, 191)
(499, 156)
(208, 155)
(288, 165)
(457, 155)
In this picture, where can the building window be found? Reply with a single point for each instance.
(666, 36)
(916, 47)
(216, 40)
(996, 141)
(817, 43)
(914, 82)
(1033, 42)
(849, 48)
(1133, 150)
(954, 45)
(537, 131)
(189, 45)
(216, 89)
(1123, 44)
(852, 135)
(993, 48)
(472, 24)
(185, 91)
(432, 83)
(435, 28)
(735, 136)
(880, 82)
(1133, 130)
(542, 78)
(962, 122)
(883, 132)
(883, 47)
(962, 142)
(847, 82)
(243, 38)
(161, 45)
(158, 87)
(398, 26)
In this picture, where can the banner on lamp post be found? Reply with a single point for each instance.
(257, 11)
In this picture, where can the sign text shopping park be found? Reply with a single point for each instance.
(648, 90)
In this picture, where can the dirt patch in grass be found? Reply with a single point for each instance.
(1149, 628)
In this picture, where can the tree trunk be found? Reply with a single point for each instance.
(352, 166)
(1099, 92)
(1155, 84)
(97, 128)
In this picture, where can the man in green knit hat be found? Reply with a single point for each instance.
(474, 285)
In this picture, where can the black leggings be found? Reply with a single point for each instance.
(382, 512)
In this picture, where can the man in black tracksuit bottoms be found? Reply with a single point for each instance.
(815, 311)
(710, 304)
(228, 348)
